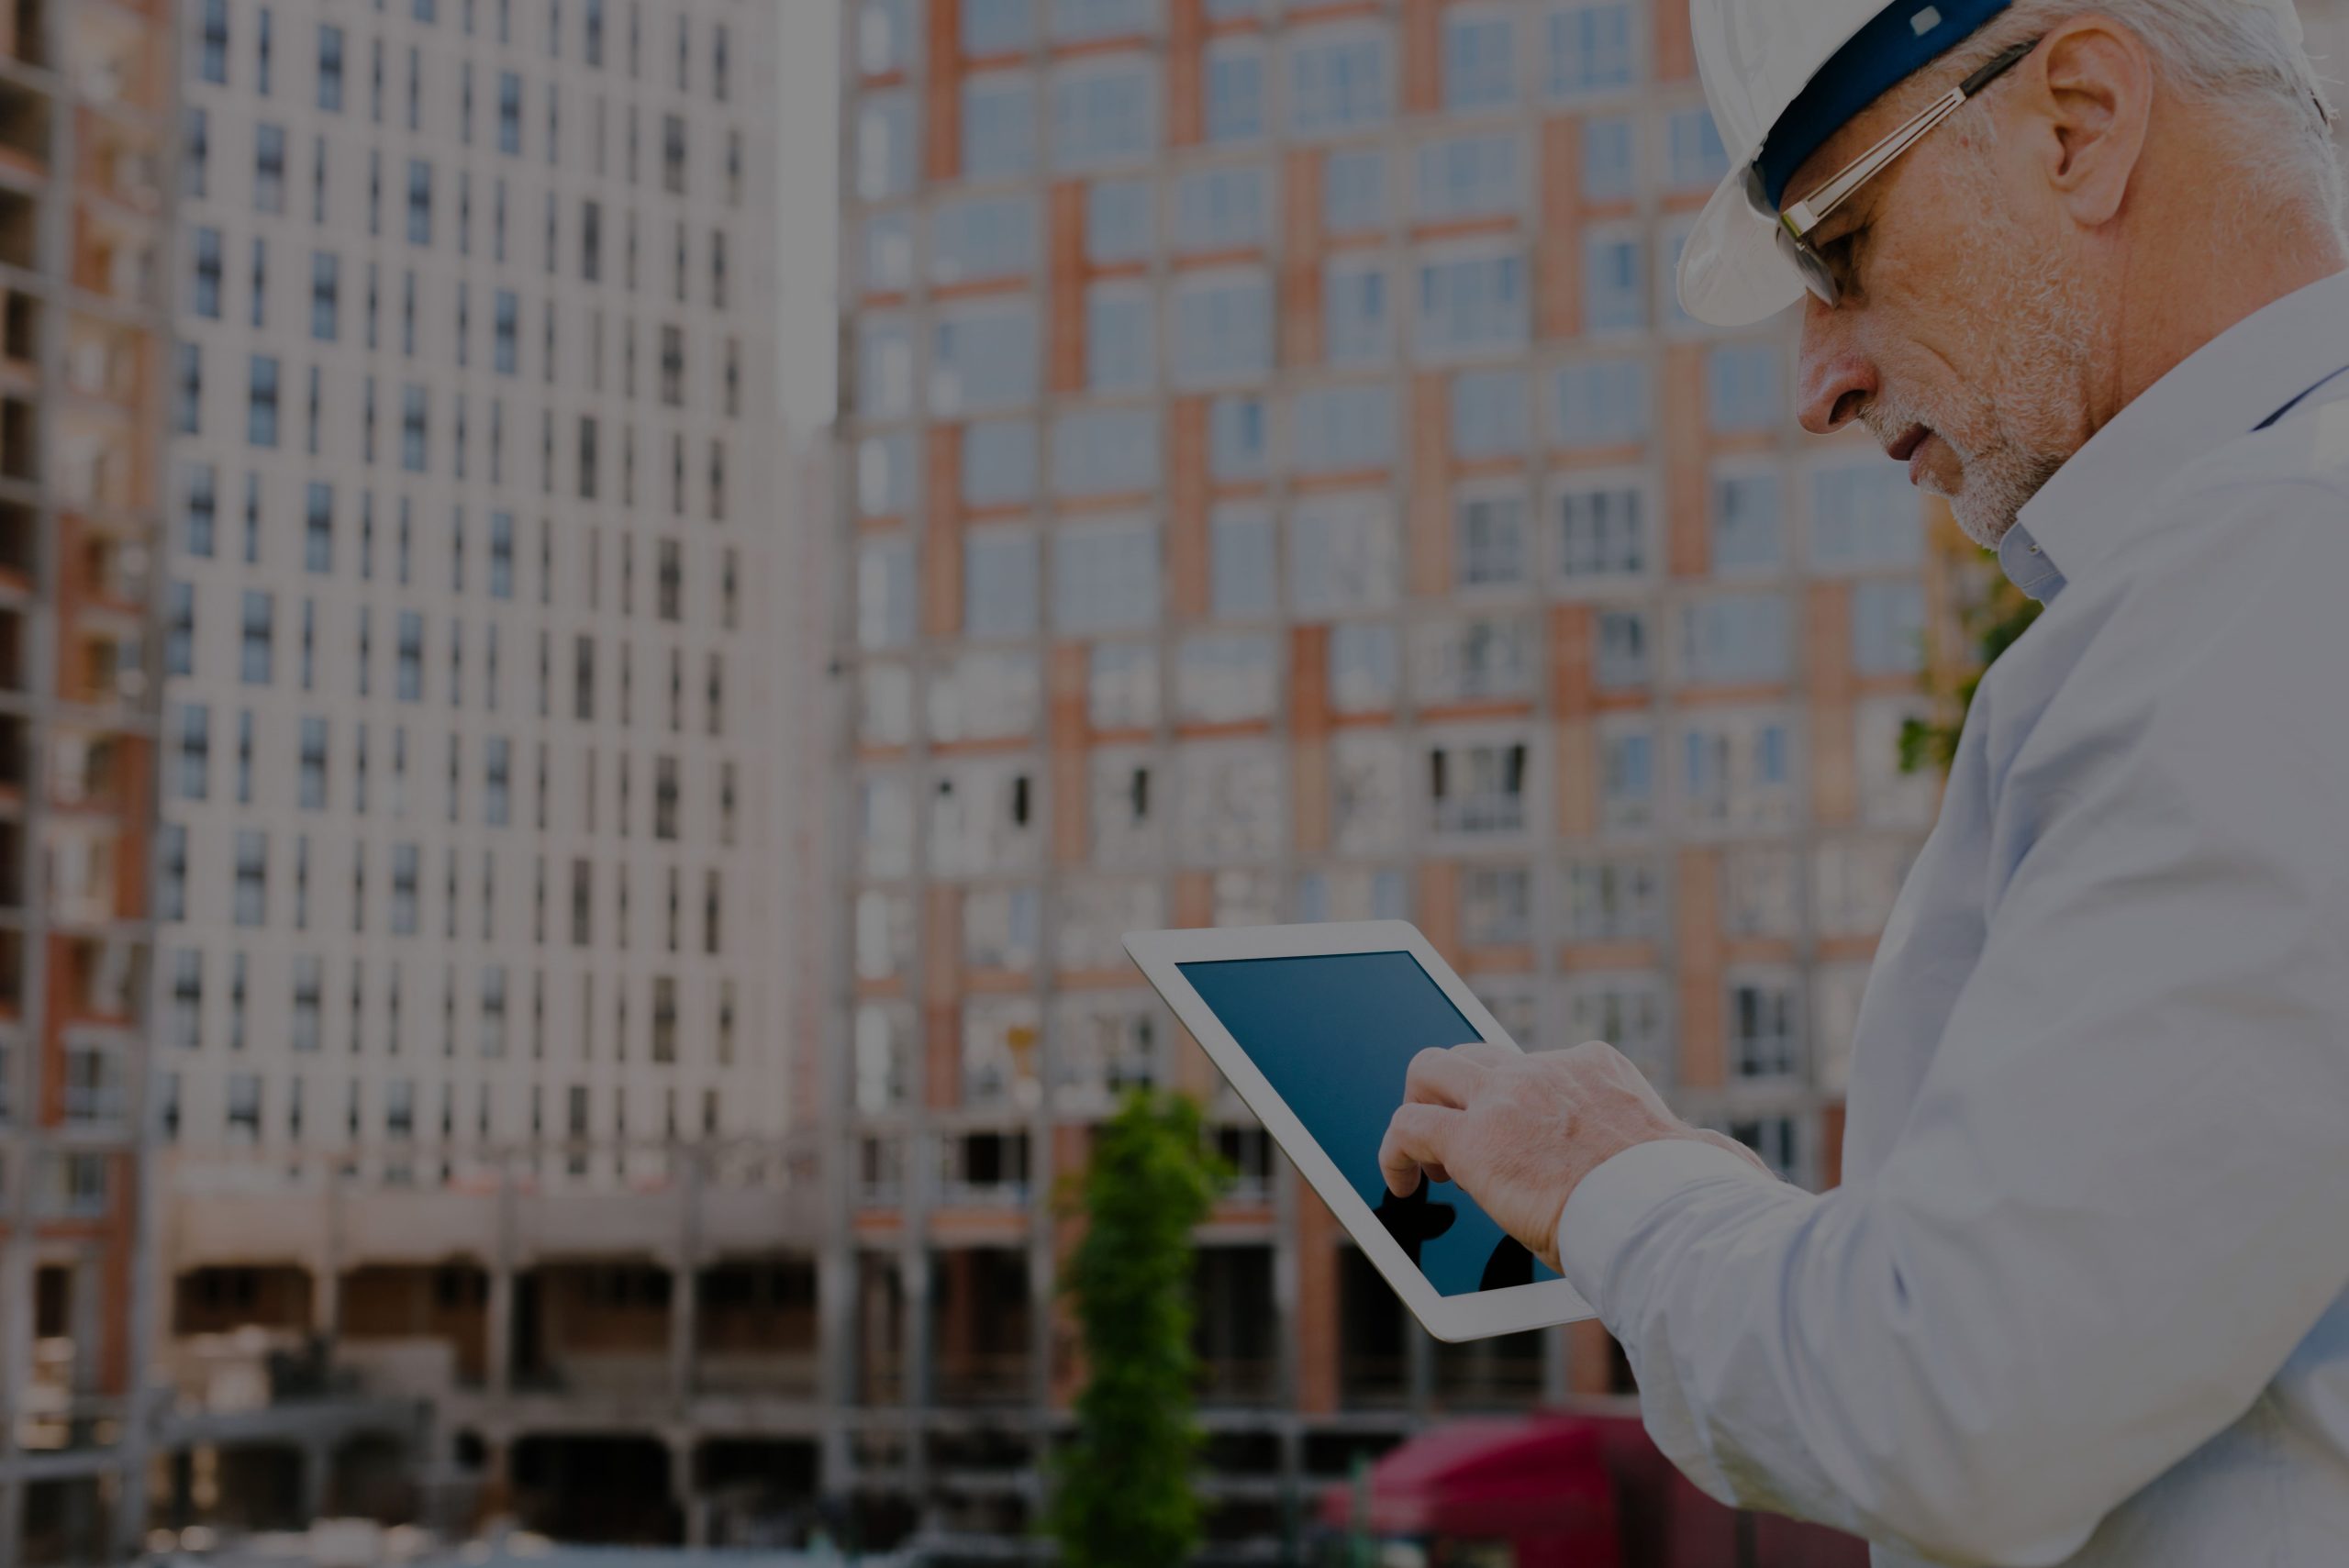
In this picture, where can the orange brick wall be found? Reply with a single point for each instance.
(1687, 498)
(941, 960)
(1065, 263)
(942, 562)
(1698, 907)
(1065, 691)
(1186, 32)
(1317, 1304)
(1558, 299)
(1827, 666)
(1188, 535)
(942, 96)
(1302, 242)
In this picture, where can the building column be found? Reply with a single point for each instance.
(690, 1503)
(684, 1284)
(499, 1359)
(318, 1477)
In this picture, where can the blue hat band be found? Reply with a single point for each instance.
(1903, 40)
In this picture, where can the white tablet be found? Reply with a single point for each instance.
(1316, 1026)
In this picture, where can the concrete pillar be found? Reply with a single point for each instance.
(16, 1377)
(689, 1500)
(326, 1302)
(499, 1365)
(685, 1292)
(318, 1477)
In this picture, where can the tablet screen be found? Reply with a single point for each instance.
(1335, 1036)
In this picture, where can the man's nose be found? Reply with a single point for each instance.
(1836, 381)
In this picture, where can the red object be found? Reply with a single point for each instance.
(1581, 1490)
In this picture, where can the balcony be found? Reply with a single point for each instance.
(24, 130)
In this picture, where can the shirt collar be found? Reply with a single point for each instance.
(2238, 382)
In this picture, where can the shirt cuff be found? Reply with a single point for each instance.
(1612, 1204)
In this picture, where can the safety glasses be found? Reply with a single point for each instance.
(1796, 225)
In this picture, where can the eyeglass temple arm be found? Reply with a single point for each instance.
(1814, 210)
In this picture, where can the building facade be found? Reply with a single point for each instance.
(85, 150)
(468, 994)
(1277, 483)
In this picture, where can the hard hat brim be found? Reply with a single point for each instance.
(1731, 270)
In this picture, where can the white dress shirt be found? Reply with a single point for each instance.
(2084, 1296)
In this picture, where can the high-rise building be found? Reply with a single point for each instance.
(1277, 483)
(84, 91)
(471, 1027)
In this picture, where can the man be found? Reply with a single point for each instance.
(2084, 1296)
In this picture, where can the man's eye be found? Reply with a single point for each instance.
(1842, 255)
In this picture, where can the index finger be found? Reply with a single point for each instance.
(1448, 1076)
(1414, 1141)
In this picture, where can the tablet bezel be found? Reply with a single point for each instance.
(1453, 1318)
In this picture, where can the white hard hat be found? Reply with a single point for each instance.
(1783, 76)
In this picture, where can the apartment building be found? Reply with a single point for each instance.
(1277, 483)
(471, 1076)
(84, 91)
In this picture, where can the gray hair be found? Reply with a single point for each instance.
(2243, 55)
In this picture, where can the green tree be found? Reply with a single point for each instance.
(2004, 614)
(1123, 1495)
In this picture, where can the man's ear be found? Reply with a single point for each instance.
(2092, 98)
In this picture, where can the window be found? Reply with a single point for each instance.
(999, 583)
(1366, 667)
(187, 998)
(990, 238)
(1736, 640)
(1887, 627)
(1602, 531)
(506, 349)
(1235, 90)
(884, 594)
(1236, 439)
(212, 58)
(991, 28)
(1489, 414)
(1736, 772)
(885, 143)
(195, 780)
(1121, 338)
(409, 687)
(501, 555)
(318, 528)
(889, 252)
(999, 462)
(1698, 160)
(419, 202)
(1493, 544)
(189, 384)
(1338, 81)
(1479, 60)
(178, 648)
(984, 357)
(207, 301)
(1614, 281)
(260, 401)
(1356, 327)
(1496, 904)
(1105, 577)
(1599, 404)
(1745, 386)
(1472, 304)
(1121, 686)
(406, 862)
(260, 614)
(1746, 522)
(1342, 555)
(1340, 429)
(1104, 114)
(1863, 515)
(998, 130)
(312, 786)
(1475, 658)
(1623, 650)
(509, 113)
(1118, 221)
(1762, 1040)
(673, 149)
(1105, 451)
(412, 429)
(1589, 47)
(1222, 209)
(1468, 177)
(1627, 778)
(326, 289)
(253, 877)
(1225, 678)
(269, 167)
(1242, 563)
(1076, 20)
(1477, 789)
(1627, 1011)
(1610, 163)
(1613, 899)
(1222, 330)
(1353, 191)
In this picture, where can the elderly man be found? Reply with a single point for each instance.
(2084, 1296)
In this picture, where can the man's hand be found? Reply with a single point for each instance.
(1519, 1132)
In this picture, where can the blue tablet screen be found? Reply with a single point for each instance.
(1335, 1036)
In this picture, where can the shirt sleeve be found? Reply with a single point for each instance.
(2115, 1207)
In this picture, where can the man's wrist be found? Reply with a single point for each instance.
(1611, 1205)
